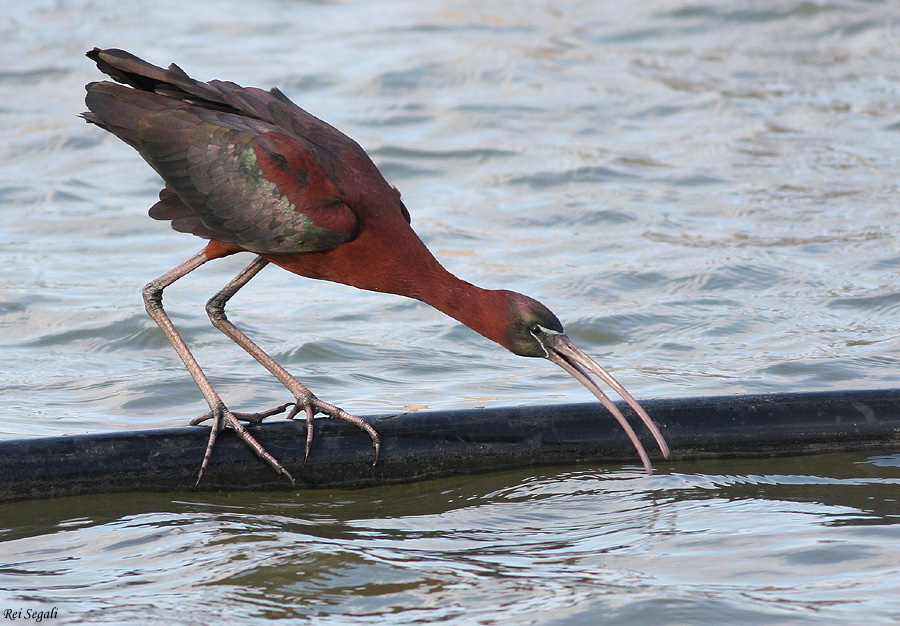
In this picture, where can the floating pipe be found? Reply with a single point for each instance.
(430, 444)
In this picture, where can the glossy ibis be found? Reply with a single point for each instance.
(251, 171)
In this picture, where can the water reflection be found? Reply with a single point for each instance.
(525, 543)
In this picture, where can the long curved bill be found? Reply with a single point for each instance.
(575, 361)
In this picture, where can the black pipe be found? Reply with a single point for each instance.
(428, 444)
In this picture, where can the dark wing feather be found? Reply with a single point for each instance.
(170, 208)
(240, 164)
(125, 68)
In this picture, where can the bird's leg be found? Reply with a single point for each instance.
(306, 400)
(152, 293)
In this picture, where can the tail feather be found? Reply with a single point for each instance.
(174, 82)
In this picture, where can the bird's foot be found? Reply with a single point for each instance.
(223, 418)
(310, 404)
(307, 403)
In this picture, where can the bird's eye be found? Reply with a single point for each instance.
(535, 330)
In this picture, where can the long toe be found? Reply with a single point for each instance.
(250, 418)
(216, 415)
(223, 418)
(320, 406)
(232, 421)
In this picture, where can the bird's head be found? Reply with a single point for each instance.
(533, 330)
(527, 318)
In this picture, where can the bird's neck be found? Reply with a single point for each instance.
(482, 310)
(398, 262)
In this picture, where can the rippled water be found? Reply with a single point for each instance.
(705, 193)
(731, 542)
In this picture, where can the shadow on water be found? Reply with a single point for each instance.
(859, 482)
